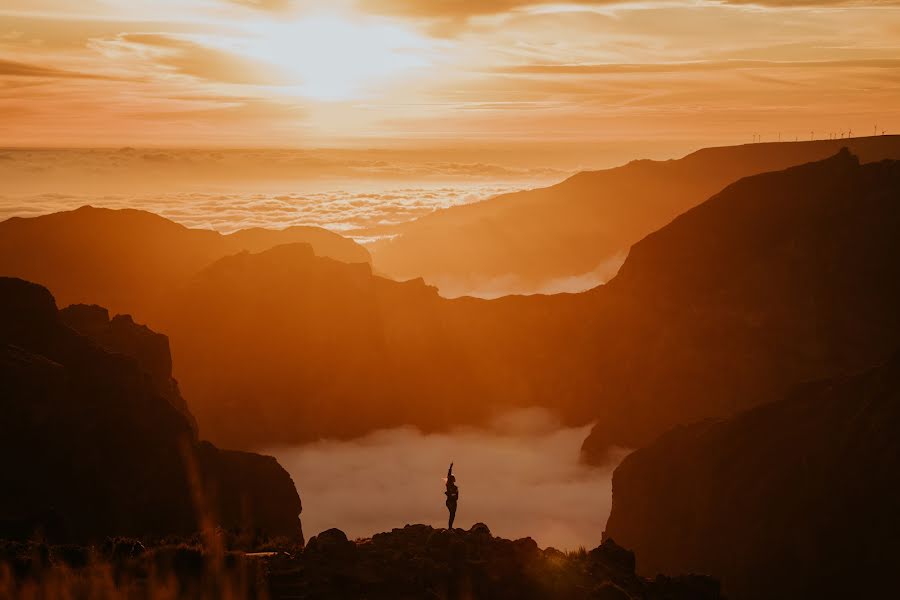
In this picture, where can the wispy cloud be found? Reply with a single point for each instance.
(18, 69)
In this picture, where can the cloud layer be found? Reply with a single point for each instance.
(521, 477)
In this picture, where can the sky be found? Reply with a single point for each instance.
(508, 74)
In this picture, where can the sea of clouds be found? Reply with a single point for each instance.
(353, 213)
(521, 476)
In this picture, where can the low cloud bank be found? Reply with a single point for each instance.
(513, 284)
(521, 476)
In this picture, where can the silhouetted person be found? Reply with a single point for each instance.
(452, 494)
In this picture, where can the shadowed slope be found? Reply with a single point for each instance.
(91, 446)
(793, 499)
(782, 277)
(574, 235)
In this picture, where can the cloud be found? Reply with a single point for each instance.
(521, 476)
(703, 65)
(262, 185)
(513, 284)
(18, 69)
(268, 5)
(187, 57)
(464, 9)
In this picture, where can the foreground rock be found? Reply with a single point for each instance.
(419, 561)
(794, 499)
(96, 442)
(414, 562)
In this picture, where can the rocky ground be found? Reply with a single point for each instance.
(417, 561)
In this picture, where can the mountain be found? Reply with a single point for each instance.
(127, 259)
(285, 346)
(793, 499)
(574, 235)
(95, 442)
(782, 277)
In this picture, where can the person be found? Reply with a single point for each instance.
(452, 494)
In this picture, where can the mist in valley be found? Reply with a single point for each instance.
(521, 476)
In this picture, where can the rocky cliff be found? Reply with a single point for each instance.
(92, 446)
(782, 277)
(793, 499)
(123, 336)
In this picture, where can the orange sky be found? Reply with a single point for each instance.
(379, 73)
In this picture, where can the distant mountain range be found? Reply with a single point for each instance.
(127, 259)
(574, 235)
(782, 277)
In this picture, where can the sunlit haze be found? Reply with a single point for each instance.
(456, 299)
(371, 73)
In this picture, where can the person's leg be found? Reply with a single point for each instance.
(452, 516)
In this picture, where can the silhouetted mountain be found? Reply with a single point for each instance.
(92, 442)
(782, 277)
(123, 336)
(793, 499)
(126, 259)
(573, 235)
(284, 346)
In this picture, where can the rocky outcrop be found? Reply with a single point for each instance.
(578, 231)
(420, 561)
(91, 447)
(250, 492)
(416, 561)
(127, 260)
(781, 278)
(794, 499)
(122, 335)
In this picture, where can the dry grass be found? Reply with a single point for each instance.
(201, 569)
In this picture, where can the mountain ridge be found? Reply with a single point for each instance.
(573, 235)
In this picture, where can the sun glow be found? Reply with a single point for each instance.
(336, 57)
